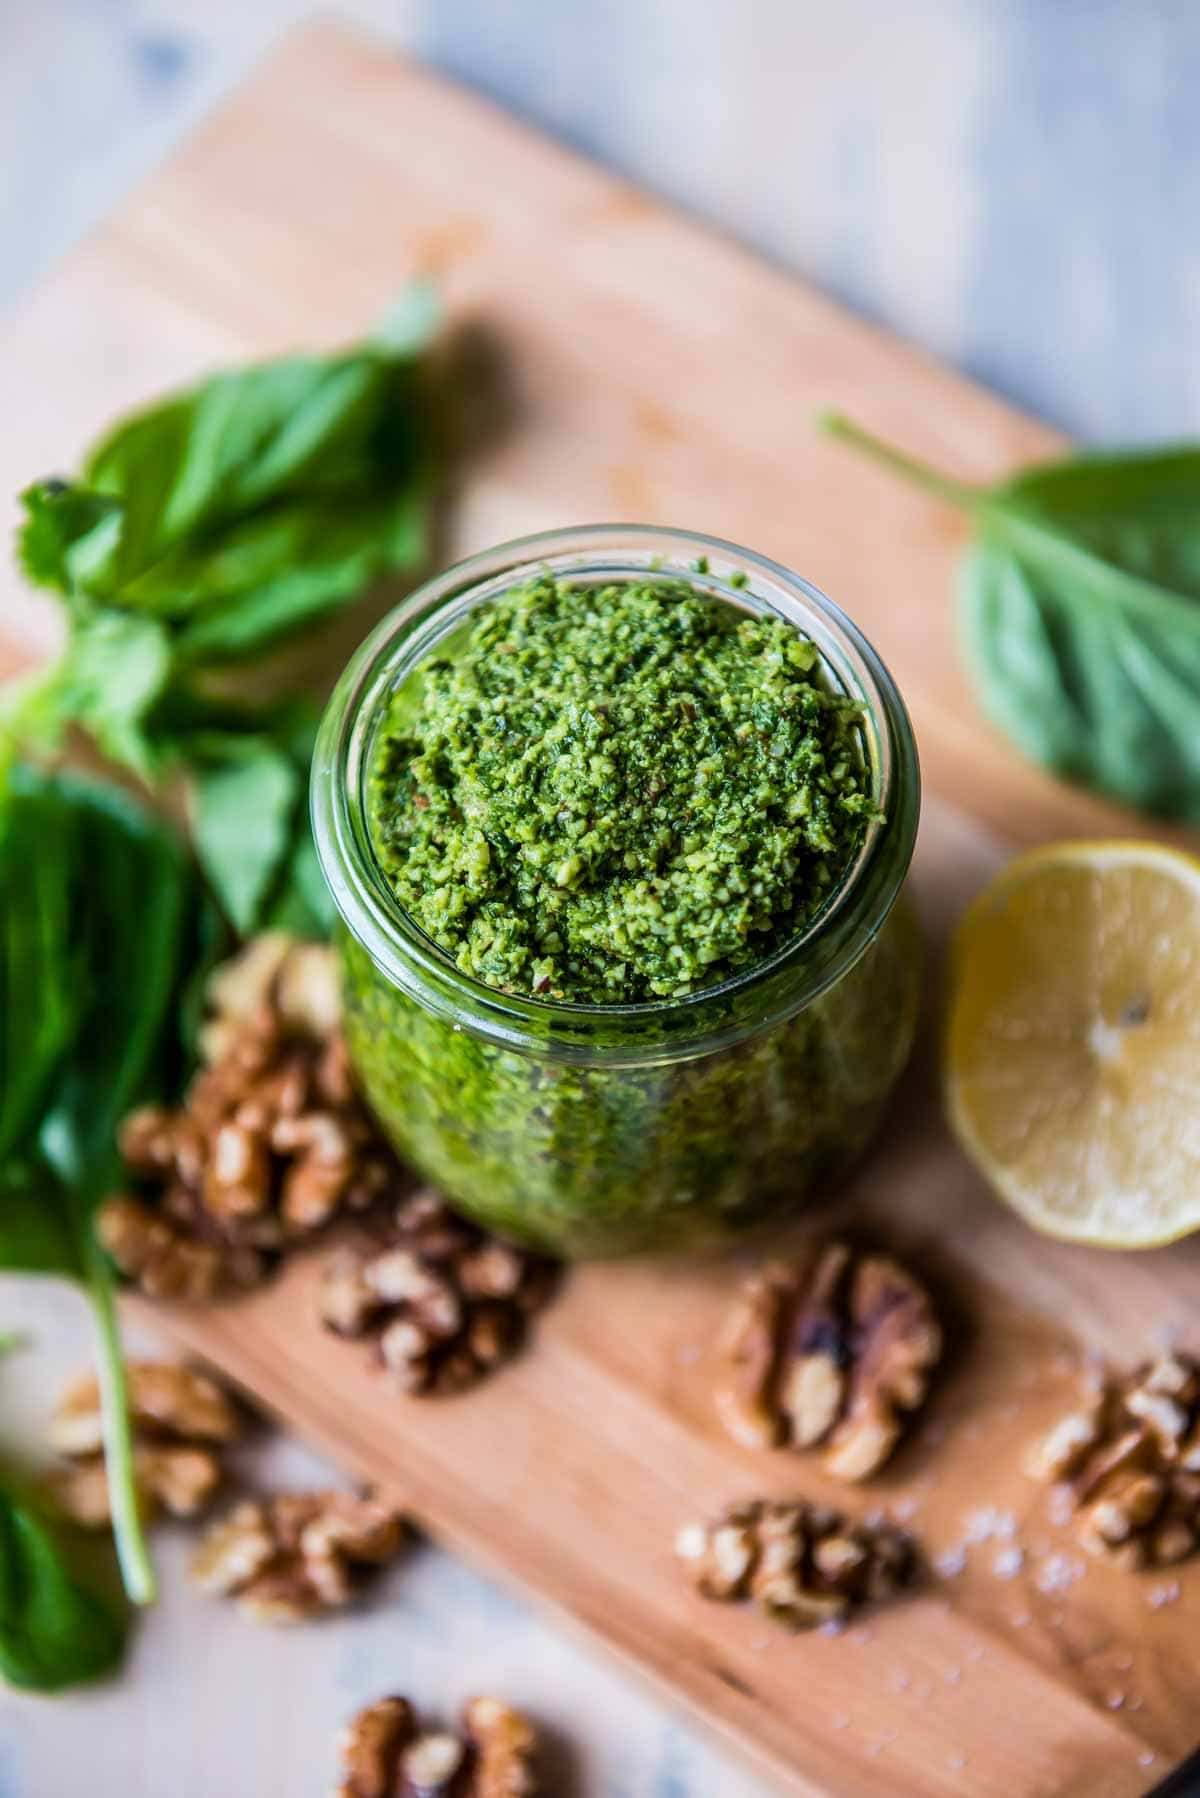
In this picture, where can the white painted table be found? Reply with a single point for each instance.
(1013, 184)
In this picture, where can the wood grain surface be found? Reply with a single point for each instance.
(654, 372)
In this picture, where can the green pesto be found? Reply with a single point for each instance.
(621, 794)
(616, 794)
(605, 1160)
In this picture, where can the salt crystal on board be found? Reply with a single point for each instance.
(1059, 1572)
(1008, 1563)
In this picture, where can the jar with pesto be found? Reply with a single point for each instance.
(616, 821)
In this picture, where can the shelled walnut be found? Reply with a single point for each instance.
(295, 1555)
(832, 1353)
(804, 1564)
(270, 1144)
(445, 1301)
(385, 1754)
(1129, 1461)
(181, 1421)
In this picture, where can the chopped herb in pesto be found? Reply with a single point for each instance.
(609, 794)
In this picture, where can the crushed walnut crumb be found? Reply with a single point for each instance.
(834, 1353)
(296, 1555)
(269, 1146)
(444, 1301)
(181, 1420)
(385, 1754)
(804, 1564)
(1126, 1464)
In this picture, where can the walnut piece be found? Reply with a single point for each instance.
(181, 1420)
(803, 1564)
(385, 1755)
(296, 1555)
(270, 1145)
(1128, 1461)
(833, 1353)
(444, 1301)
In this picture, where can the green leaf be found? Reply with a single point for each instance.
(58, 517)
(203, 532)
(248, 771)
(207, 529)
(131, 895)
(39, 1233)
(1080, 608)
(300, 903)
(244, 807)
(286, 569)
(54, 1633)
(113, 671)
(12, 1342)
(279, 489)
(39, 1000)
(99, 912)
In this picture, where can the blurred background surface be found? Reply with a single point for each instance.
(1010, 183)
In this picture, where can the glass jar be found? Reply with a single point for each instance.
(599, 1129)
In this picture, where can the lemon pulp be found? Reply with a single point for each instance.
(1073, 1047)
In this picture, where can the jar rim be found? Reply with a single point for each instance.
(688, 1024)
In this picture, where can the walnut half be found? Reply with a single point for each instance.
(804, 1564)
(445, 1302)
(834, 1354)
(1129, 1462)
(271, 1144)
(385, 1754)
(181, 1422)
(298, 1554)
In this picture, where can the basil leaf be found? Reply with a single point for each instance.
(247, 506)
(99, 917)
(286, 569)
(53, 1631)
(301, 903)
(39, 1000)
(38, 1233)
(1080, 609)
(245, 805)
(247, 771)
(107, 681)
(204, 531)
(58, 517)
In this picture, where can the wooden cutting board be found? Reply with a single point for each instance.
(656, 372)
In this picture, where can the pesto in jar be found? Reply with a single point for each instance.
(617, 803)
(615, 794)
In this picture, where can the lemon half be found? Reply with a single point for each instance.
(1073, 1045)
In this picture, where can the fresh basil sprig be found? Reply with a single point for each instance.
(53, 1631)
(201, 534)
(1080, 608)
(102, 927)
